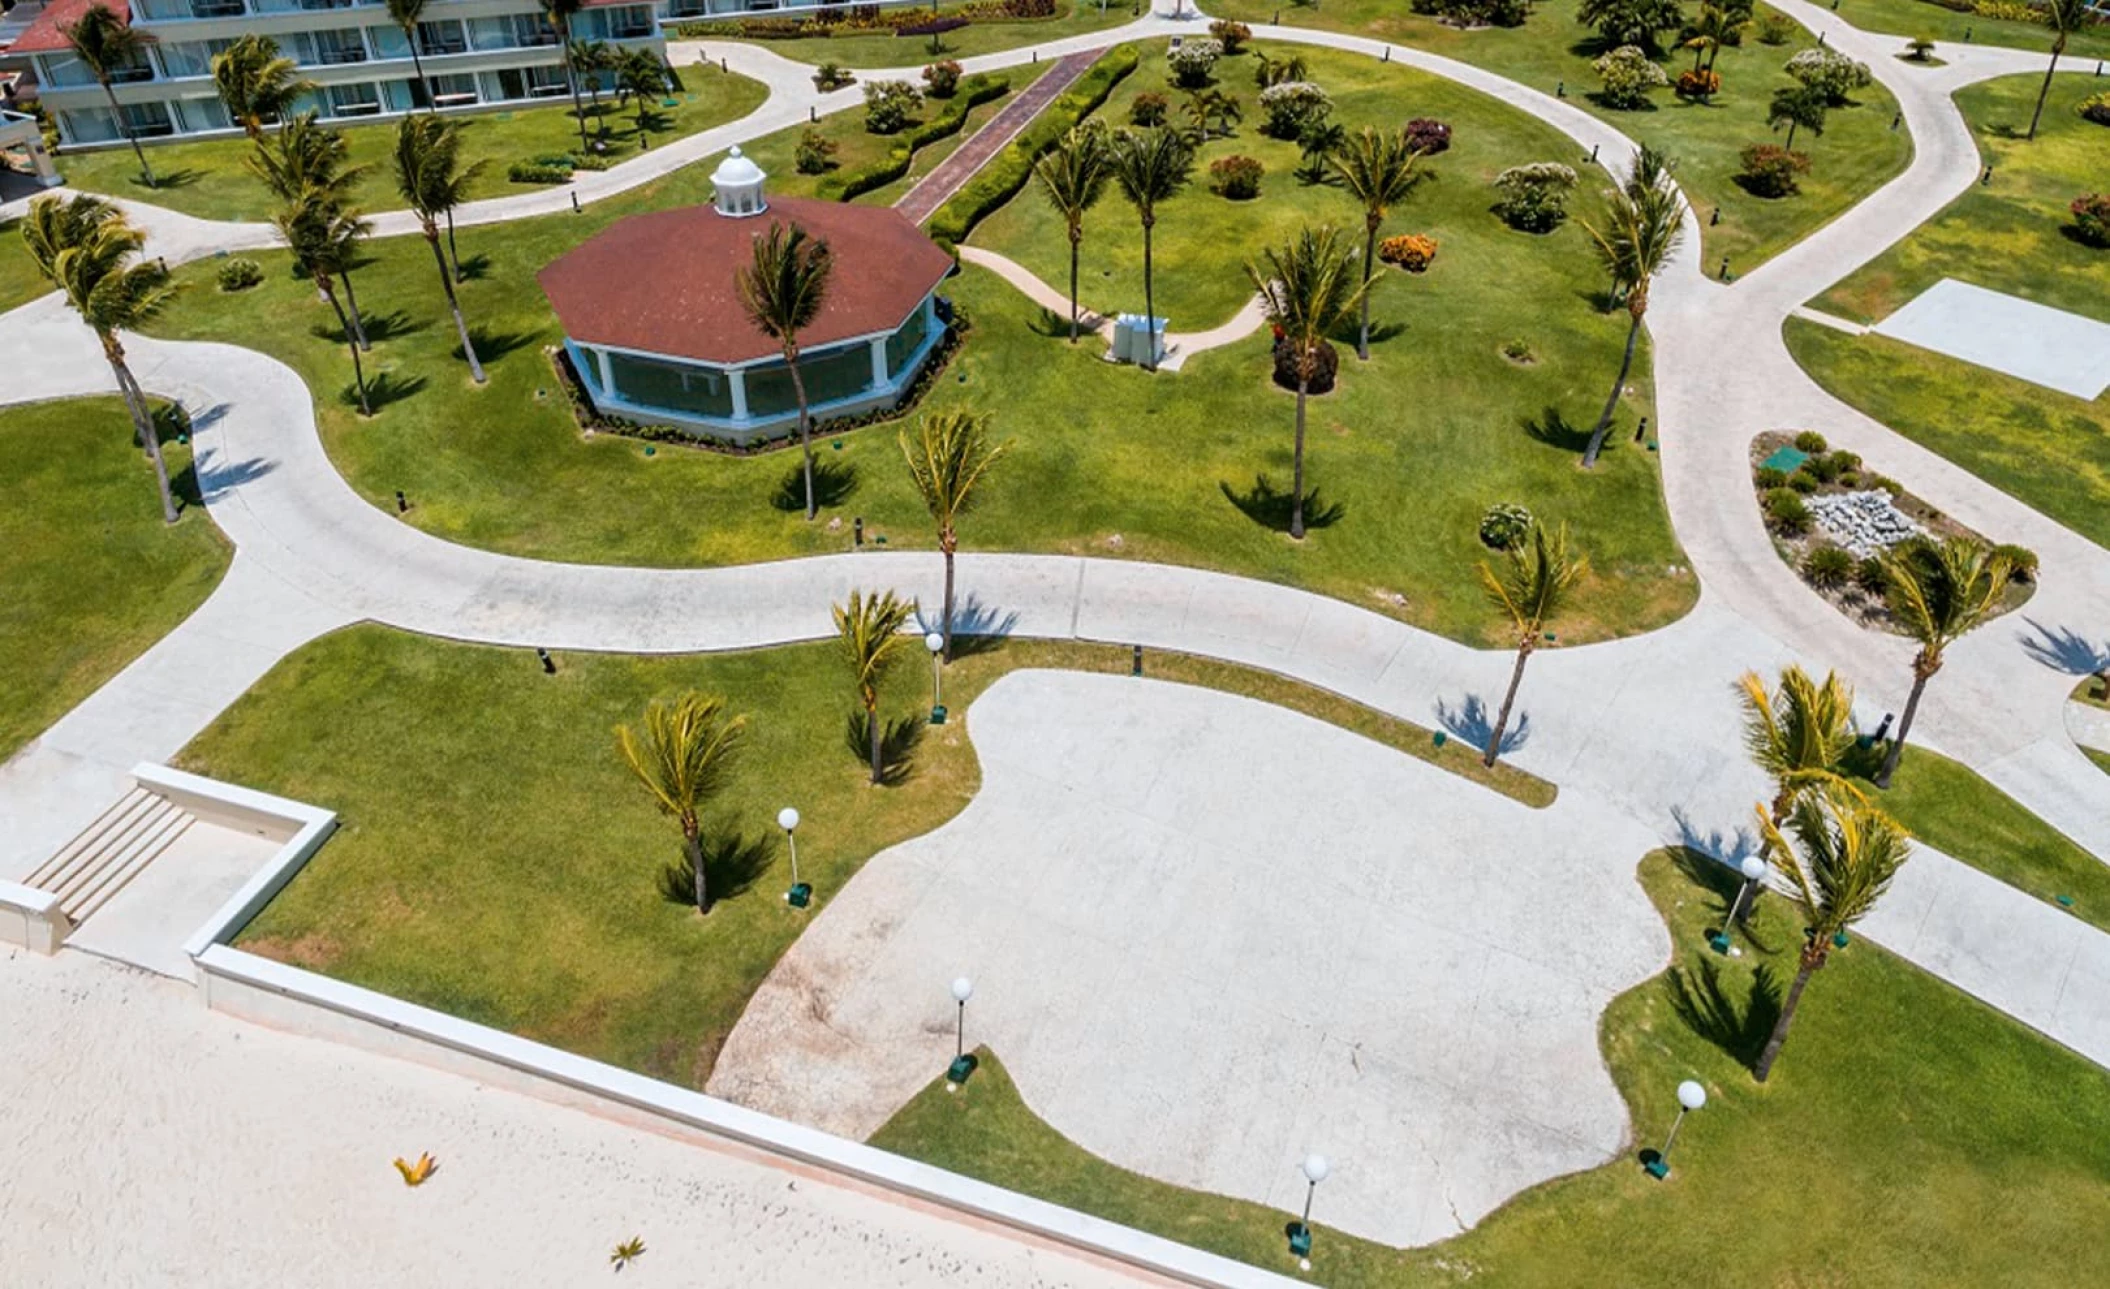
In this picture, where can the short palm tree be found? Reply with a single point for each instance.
(783, 289)
(1712, 29)
(84, 247)
(1799, 734)
(1642, 226)
(407, 14)
(1937, 594)
(433, 181)
(1537, 574)
(1151, 166)
(640, 74)
(559, 13)
(1800, 107)
(1840, 853)
(108, 47)
(870, 629)
(2064, 17)
(312, 230)
(682, 756)
(1306, 289)
(1073, 174)
(592, 58)
(1378, 169)
(256, 83)
(947, 459)
(305, 163)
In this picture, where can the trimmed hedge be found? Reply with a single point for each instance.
(973, 91)
(535, 172)
(1010, 169)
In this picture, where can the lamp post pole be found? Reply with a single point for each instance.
(1315, 1167)
(935, 642)
(962, 1064)
(1754, 870)
(800, 893)
(1691, 1096)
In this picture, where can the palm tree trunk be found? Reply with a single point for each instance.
(366, 407)
(1611, 404)
(1362, 340)
(798, 388)
(1779, 1037)
(872, 729)
(1698, 52)
(118, 114)
(1897, 746)
(454, 252)
(1516, 678)
(461, 328)
(417, 66)
(948, 543)
(1791, 136)
(351, 300)
(1150, 308)
(692, 842)
(1076, 236)
(142, 423)
(2057, 47)
(1296, 494)
(571, 78)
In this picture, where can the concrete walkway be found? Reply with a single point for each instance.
(950, 175)
(1179, 345)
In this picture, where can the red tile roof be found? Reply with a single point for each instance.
(666, 282)
(44, 35)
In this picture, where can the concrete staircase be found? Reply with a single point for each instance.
(87, 871)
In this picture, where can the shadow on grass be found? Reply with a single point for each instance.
(732, 862)
(1056, 326)
(473, 268)
(833, 484)
(493, 345)
(166, 179)
(1552, 429)
(1471, 723)
(382, 391)
(897, 744)
(1703, 1002)
(1270, 507)
(378, 327)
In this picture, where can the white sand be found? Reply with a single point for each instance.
(151, 1142)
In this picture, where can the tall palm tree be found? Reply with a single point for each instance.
(1938, 594)
(1150, 166)
(682, 757)
(1306, 289)
(783, 290)
(1533, 584)
(108, 47)
(85, 248)
(406, 14)
(947, 458)
(559, 13)
(1644, 222)
(433, 181)
(256, 83)
(1799, 734)
(310, 229)
(870, 629)
(1843, 854)
(1378, 169)
(1073, 174)
(2064, 17)
(305, 163)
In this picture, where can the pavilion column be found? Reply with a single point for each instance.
(879, 372)
(607, 372)
(738, 379)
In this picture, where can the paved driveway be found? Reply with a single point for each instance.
(1209, 935)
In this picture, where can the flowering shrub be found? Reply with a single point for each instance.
(2009, 11)
(890, 106)
(1628, 76)
(1237, 178)
(1293, 107)
(941, 80)
(1701, 85)
(240, 274)
(1830, 73)
(1770, 170)
(2091, 218)
(1148, 109)
(1475, 13)
(1411, 251)
(815, 152)
(1428, 136)
(1231, 35)
(1505, 524)
(832, 76)
(2096, 108)
(1191, 62)
(1534, 198)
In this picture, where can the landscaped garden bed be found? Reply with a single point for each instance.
(865, 36)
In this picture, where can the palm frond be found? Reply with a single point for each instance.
(684, 751)
(947, 458)
(869, 628)
(1534, 580)
(786, 283)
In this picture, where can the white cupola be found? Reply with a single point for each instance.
(737, 186)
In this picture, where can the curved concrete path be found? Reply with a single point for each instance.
(1179, 345)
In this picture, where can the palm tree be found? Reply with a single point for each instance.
(311, 229)
(783, 291)
(86, 249)
(559, 13)
(1938, 594)
(2064, 17)
(406, 14)
(1844, 853)
(433, 181)
(947, 458)
(108, 47)
(1798, 105)
(1307, 288)
(1799, 735)
(592, 57)
(682, 758)
(305, 163)
(870, 628)
(1151, 166)
(1644, 222)
(256, 84)
(1711, 30)
(641, 75)
(1530, 589)
(1378, 170)
(1073, 174)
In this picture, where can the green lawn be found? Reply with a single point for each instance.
(1072, 19)
(484, 808)
(1858, 153)
(1111, 461)
(208, 179)
(93, 576)
(1908, 18)
(1910, 1136)
(2101, 759)
(19, 280)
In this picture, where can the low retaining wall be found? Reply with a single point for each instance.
(31, 918)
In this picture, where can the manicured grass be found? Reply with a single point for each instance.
(210, 180)
(1108, 460)
(1908, 18)
(93, 576)
(887, 50)
(1858, 153)
(2101, 759)
(484, 809)
(1909, 1136)
(19, 280)
(2093, 692)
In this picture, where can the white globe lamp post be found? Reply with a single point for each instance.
(936, 644)
(962, 1062)
(1754, 871)
(1315, 1167)
(1691, 1096)
(800, 894)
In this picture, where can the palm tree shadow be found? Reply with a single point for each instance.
(475, 268)
(1348, 330)
(378, 327)
(183, 178)
(382, 390)
(494, 345)
(977, 628)
(2064, 649)
(1471, 724)
(1552, 429)
(732, 862)
(1056, 326)
(833, 482)
(1701, 1000)
(1270, 507)
(897, 744)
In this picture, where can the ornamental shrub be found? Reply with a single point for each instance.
(1191, 62)
(1428, 136)
(1148, 109)
(1823, 468)
(1534, 198)
(1701, 85)
(2096, 108)
(1411, 251)
(538, 172)
(1231, 35)
(239, 274)
(1768, 478)
(1628, 76)
(1630, 22)
(1871, 576)
(1504, 525)
(2022, 558)
(1828, 567)
(1292, 107)
(1235, 177)
(1802, 480)
(815, 152)
(1810, 441)
(2009, 11)
(1770, 170)
(832, 76)
(1920, 49)
(890, 106)
(1830, 73)
(1776, 29)
(941, 80)
(2091, 219)
(1786, 512)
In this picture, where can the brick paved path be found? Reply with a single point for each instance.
(952, 174)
